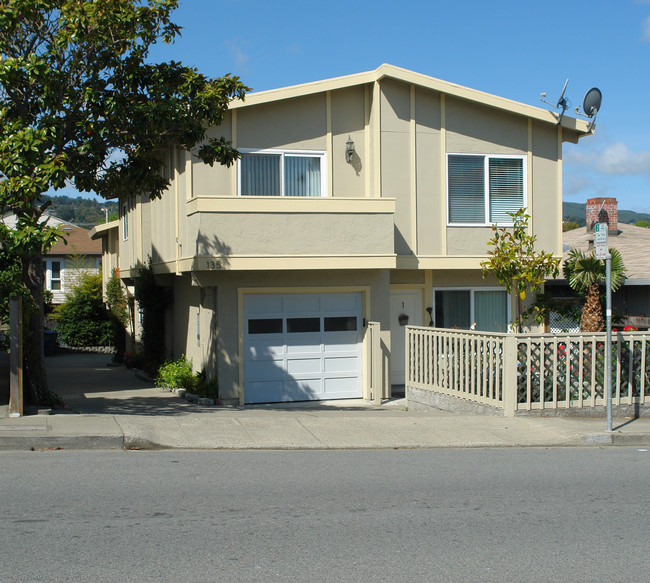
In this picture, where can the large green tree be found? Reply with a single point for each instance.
(81, 103)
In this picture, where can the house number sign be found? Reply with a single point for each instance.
(214, 264)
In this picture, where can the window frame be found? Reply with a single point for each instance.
(124, 207)
(486, 186)
(320, 154)
(472, 304)
(49, 271)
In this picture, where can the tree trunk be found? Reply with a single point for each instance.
(35, 376)
(592, 312)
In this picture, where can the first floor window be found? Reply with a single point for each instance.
(478, 309)
(274, 173)
(484, 189)
(52, 275)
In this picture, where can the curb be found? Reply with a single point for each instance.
(79, 442)
(618, 439)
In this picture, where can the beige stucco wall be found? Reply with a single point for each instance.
(297, 233)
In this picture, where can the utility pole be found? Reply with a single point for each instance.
(602, 252)
(16, 356)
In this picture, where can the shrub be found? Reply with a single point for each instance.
(83, 319)
(177, 374)
(118, 311)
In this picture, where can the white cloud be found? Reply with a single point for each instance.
(646, 29)
(619, 159)
(239, 57)
(574, 185)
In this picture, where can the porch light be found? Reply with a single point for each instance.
(349, 150)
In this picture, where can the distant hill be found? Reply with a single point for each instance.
(575, 211)
(83, 212)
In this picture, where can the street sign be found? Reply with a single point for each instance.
(600, 241)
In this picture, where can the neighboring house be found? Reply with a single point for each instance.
(362, 198)
(65, 263)
(631, 301)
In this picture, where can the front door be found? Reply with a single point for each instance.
(404, 305)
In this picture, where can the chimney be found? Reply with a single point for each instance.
(602, 210)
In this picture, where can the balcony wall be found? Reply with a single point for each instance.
(288, 233)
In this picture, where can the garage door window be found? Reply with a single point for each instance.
(295, 325)
(341, 324)
(265, 326)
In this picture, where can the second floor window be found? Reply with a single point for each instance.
(52, 275)
(275, 173)
(484, 189)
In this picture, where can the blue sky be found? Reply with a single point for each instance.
(513, 49)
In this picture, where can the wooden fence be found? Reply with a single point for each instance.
(524, 372)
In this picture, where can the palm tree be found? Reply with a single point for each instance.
(585, 273)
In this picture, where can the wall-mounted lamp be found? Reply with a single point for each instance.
(349, 150)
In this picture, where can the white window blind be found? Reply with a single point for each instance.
(506, 188)
(484, 189)
(466, 189)
(281, 174)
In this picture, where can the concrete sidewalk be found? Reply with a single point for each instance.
(110, 408)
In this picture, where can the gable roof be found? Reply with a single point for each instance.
(632, 242)
(78, 239)
(79, 242)
(578, 126)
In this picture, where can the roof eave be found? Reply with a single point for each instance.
(576, 128)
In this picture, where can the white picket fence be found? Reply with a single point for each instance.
(524, 372)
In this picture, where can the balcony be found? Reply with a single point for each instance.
(272, 233)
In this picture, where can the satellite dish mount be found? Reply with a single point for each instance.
(562, 102)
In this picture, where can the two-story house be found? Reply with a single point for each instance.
(362, 198)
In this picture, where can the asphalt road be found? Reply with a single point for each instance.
(522, 515)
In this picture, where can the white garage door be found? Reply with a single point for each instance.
(300, 347)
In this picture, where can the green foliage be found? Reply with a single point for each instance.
(85, 212)
(570, 226)
(83, 319)
(81, 103)
(643, 223)
(515, 263)
(582, 270)
(177, 374)
(153, 300)
(118, 310)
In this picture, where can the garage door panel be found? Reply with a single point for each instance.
(261, 370)
(302, 304)
(265, 351)
(264, 304)
(340, 386)
(304, 366)
(346, 302)
(305, 346)
(344, 342)
(264, 391)
(344, 364)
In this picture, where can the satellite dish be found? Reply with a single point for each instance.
(591, 103)
(561, 102)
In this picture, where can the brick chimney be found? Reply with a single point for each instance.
(602, 210)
